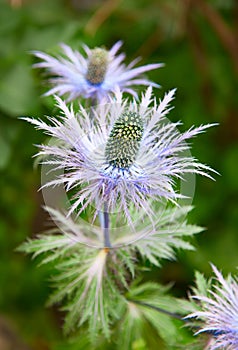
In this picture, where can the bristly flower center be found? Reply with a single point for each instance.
(97, 66)
(124, 140)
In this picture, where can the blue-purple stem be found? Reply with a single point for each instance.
(106, 233)
(91, 105)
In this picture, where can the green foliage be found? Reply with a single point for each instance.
(170, 233)
(94, 283)
(84, 280)
(150, 318)
(201, 288)
(202, 285)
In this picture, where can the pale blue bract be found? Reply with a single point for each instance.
(218, 312)
(81, 154)
(69, 74)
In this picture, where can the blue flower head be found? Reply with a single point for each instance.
(126, 156)
(93, 76)
(218, 312)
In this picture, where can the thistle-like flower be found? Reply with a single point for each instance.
(93, 76)
(218, 312)
(127, 156)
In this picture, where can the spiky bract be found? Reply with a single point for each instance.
(94, 76)
(218, 312)
(143, 171)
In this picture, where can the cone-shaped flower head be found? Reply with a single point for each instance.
(97, 66)
(126, 156)
(93, 76)
(124, 141)
(219, 313)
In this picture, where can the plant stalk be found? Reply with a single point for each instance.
(106, 233)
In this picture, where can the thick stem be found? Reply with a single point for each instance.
(106, 233)
(94, 101)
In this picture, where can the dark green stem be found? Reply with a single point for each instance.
(178, 317)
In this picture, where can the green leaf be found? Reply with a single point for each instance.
(149, 311)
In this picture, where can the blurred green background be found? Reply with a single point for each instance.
(197, 41)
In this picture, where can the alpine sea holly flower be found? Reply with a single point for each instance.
(218, 312)
(127, 156)
(93, 76)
